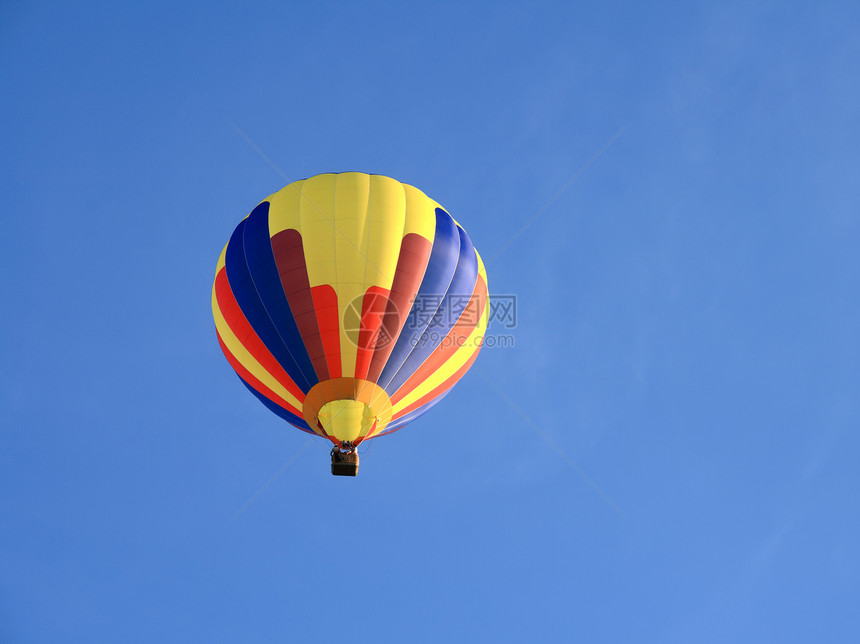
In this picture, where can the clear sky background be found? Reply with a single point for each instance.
(687, 327)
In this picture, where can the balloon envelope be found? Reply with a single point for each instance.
(350, 304)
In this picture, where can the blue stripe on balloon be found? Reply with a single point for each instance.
(267, 281)
(441, 267)
(456, 299)
(292, 419)
(249, 301)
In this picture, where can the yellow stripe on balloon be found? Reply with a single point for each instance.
(222, 259)
(317, 228)
(284, 208)
(383, 230)
(375, 209)
(420, 213)
(351, 194)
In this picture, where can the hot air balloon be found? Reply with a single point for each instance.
(350, 304)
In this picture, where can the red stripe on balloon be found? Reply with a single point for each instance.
(290, 260)
(411, 265)
(373, 308)
(245, 333)
(325, 304)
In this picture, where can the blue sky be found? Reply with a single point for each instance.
(686, 333)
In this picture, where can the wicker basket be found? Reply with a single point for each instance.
(344, 463)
